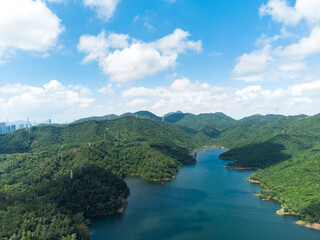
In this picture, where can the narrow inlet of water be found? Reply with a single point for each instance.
(204, 201)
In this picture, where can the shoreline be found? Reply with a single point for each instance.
(282, 212)
(254, 181)
(239, 168)
(157, 180)
(210, 147)
(315, 226)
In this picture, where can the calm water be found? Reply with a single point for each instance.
(204, 201)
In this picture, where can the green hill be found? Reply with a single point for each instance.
(126, 129)
(286, 152)
(257, 128)
(140, 114)
(174, 117)
(54, 177)
(106, 117)
(219, 121)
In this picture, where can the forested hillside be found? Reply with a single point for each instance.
(53, 178)
(140, 114)
(286, 152)
(219, 121)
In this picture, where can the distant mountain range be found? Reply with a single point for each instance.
(218, 120)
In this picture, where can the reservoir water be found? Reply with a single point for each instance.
(204, 201)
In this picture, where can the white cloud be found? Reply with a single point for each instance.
(282, 62)
(107, 89)
(125, 59)
(137, 102)
(27, 25)
(97, 47)
(52, 100)
(104, 8)
(199, 97)
(305, 89)
(250, 66)
(269, 64)
(306, 46)
(280, 11)
(66, 103)
(309, 9)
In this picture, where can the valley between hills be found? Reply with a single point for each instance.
(53, 179)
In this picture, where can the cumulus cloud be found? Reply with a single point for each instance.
(280, 11)
(137, 102)
(125, 59)
(104, 8)
(197, 97)
(52, 100)
(277, 62)
(107, 89)
(306, 46)
(271, 64)
(27, 25)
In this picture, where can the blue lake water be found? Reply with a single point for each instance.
(204, 201)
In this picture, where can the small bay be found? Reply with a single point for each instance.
(204, 201)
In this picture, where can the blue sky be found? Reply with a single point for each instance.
(67, 59)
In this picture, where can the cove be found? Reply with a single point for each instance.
(204, 201)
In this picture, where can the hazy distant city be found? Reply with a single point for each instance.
(8, 127)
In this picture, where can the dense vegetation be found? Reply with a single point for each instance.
(217, 121)
(140, 114)
(214, 121)
(286, 152)
(53, 178)
(49, 196)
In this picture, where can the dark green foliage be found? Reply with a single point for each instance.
(39, 200)
(295, 183)
(260, 155)
(217, 121)
(286, 149)
(142, 114)
(88, 189)
(107, 117)
(126, 129)
(210, 131)
(255, 129)
(139, 158)
(53, 177)
(18, 141)
(174, 117)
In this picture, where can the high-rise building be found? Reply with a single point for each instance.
(3, 128)
(13, 128)
(28, 123)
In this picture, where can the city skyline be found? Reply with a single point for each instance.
(8, 127)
